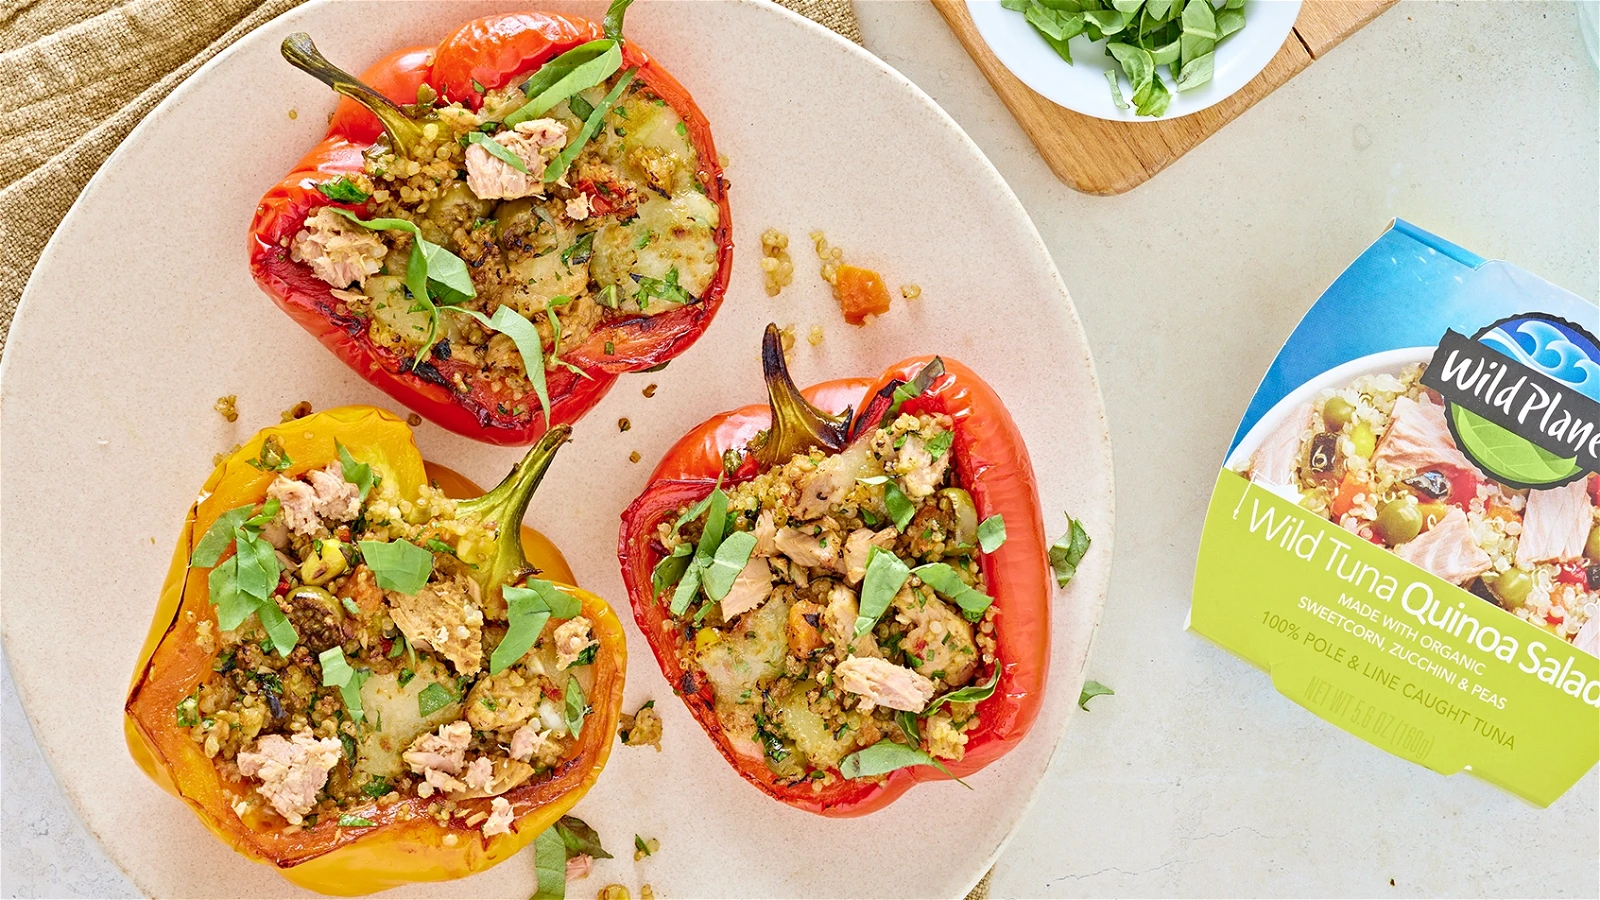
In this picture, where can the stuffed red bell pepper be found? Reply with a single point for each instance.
(849, 603)
(543, 212)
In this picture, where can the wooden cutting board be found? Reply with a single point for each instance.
(1098, 156)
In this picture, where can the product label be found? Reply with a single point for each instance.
(1390, 652)
(1406, 531)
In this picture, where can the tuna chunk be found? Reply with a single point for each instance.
(766, 533)
(443, 617)
(858, 546)
(1276, 460)
(444, 751)
(291, 771)
(939, 636)
(501, 815)
(1448, 550)
(830, 481)
(808, 550)
(528, 744)
(750, 589)
(478, 773)
(535, 143)
(338, 251)
(840, 619)
(572, 638)
(1418, 438)
(1555, 525)
(303, 506)
(920, 473)
(882, 683)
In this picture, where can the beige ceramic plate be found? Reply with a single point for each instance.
(142, 313)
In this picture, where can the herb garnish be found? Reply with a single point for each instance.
(522, 333)
(349, 821)
(343, 190)
(562, 162)
(336, 672)
(886, 574)
(1068, 550)
(885, 756)
(399, 564)
(578, 69)
(432, 272)
(991, 533)
(527, 610)
(433, 698)
(496, 149)
(666, 289)
(972, 693)
(575, 707)
(899, 505)
(1091, 690)
(940, 445)
(242, 584)
(358, 474)
(947, 582)
(579, 838)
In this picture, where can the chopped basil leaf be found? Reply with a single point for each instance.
(681, 129)
(972, 693)
(342, 190)
(579, 839)
(575, 708)
(399, 565)
(405, 675)
(586, 656)
(1068, 550)
(900, 508)
(666, 289)
(940, 445)
(947, 583)
(613, 20)
(258, 564)
(561, 163)
(269, 511)
(377, 787)
(272, 457)
(281, 633)
(732, 555)
(687, 587)
(549, 866)
(432, 272)
(350, 606)
(640, 845)
(913, 388)
(671, 568)
(716, 520)
(522, 333)
(580, 251)
(433, 698)
(1116, 89)
(527, 610)
(578, 69)
(497, 150)
(188, 710)
(349, 821)
(215, 541)
(886, 574)
(991, 533)
(358, 474)
(336, 672)
(881, 758)
(580, 107)
(1091, 690)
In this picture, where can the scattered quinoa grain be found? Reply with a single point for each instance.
(294, 114)
(650, 389)
(786, 335)
(650, 847)
(298, 411)
(613, 892)
(910, 291)
(815, 335)
(228, 407)
(646, 892)
(634, 457)
(413, 420)
(776, 265)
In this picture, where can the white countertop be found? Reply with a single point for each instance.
(1475, 121)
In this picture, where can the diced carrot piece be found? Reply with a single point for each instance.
(861, 293)
(1345, 500)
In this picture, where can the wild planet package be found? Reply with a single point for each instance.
(1406, 531)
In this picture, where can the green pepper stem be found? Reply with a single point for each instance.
(301, 53)
(797, 426)
(508, 503)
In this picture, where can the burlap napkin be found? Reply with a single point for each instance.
(119, 58)
(112, 61)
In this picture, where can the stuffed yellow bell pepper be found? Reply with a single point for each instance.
(362, 681)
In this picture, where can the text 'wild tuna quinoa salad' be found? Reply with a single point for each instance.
(1377, 457)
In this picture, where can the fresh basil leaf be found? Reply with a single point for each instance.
(433, 698)
(1049, 23)
(972, 693)
(732, 555)
(258, 564)
(613, 20)
(1116, 89)
(670, 569)
(908, 726)
(526, 337)
(215, 541)
(575, 707)
(377, 787)
(1152, 98)
(666, 289)
(1091, 690)
(992, 533)
(1197, 71)
(449, 279)
(350, 821)
(579, 839)
(269, 511)
(580, 251)
(578, 69)
(561, 163)
(233, 607)
(1136, 64)
(342, 190)
(1229, 21)
(336, 672)
(527, 611)
(918, 384)
(358, 474)
(279, 631)
(899, 505)
(688, 586)
(1108, 21)
(946, 582)
(886, 574)
(399, 564)
(1165, 54)
(1159, 9)
(1127, 6)
(697, 510)
(549, 866)
(497, 150)
(1068, 550)
(1200, 20)
(882, 758)
(716, 519)
(1016, 5)
(1193, 46)
(580, 107)
(940, 445)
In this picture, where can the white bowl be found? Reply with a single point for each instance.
(1081, 86)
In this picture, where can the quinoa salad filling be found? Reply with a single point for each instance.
(843, 605)
(382, 668)
(566, 226)
(1377, 457)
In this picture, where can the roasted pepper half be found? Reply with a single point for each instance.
(531, 165)
(320, 732)
(876, 548)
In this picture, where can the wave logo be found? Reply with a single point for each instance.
(1522, 397)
